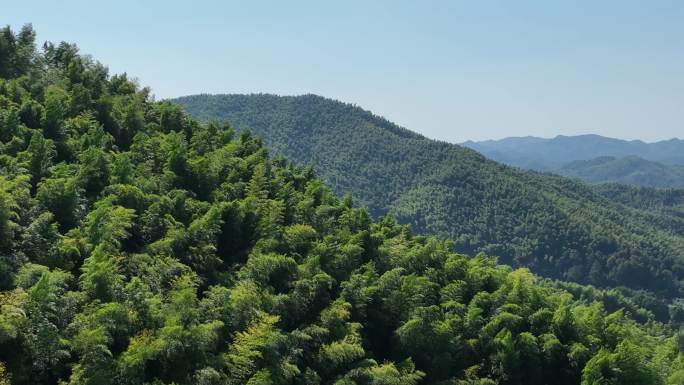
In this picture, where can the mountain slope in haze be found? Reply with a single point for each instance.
(593, 158)
(631, 170)
(560, 228)
(139, 247)
(544, 154)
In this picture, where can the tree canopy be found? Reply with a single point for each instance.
(557, 227)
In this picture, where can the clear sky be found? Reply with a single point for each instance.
(452, 70)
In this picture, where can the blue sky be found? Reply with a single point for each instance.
(452, 70)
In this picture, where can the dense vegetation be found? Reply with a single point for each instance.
(140, 247)
(543, 154)
(557, 227)
(631, 170)
(644, 198)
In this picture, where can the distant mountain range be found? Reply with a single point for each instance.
(562, 228)
(593, 158)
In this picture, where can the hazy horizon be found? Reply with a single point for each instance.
(575, 135)
(460, 71)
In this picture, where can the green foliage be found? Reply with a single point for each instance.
(627, 365)
(17, 52)
(150, 249)
(5, 377)
(557, 227)
(41, 153)
(631, 170)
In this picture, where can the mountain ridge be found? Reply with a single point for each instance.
(533, 138)
(528, 219)
(548, 154)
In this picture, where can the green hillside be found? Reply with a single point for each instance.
(643, 197)
(631, 170)
(141, 247)
(558, 227)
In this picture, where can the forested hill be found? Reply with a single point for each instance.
(558, 227)
(140, 247)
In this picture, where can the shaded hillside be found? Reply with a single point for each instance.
(556, 226)
(642, 197)
(140, 247)
(631, 170)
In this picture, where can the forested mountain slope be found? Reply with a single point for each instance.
(643, 197)
(631, 170)
(141, 247)
(558, 227)
(550, 154)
